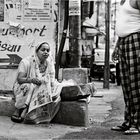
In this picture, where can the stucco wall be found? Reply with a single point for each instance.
(7, 78)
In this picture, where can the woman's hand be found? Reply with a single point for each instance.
(36, 81)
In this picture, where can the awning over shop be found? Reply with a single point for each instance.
(90, 25)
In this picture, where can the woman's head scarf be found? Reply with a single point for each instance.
(37, 47)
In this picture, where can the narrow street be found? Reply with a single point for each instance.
(64, 40)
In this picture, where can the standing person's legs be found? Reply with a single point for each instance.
(130, 75)
(124, 74)
(130, 78)
(134, 72)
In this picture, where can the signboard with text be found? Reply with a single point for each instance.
(26, 23)
(74, 7)
(38, 12)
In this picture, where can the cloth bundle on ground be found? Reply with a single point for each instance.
(77, 92)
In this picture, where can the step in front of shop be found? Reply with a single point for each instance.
(73, 113)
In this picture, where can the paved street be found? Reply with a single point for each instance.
(104, 113)
(105, 110)
(100, 105)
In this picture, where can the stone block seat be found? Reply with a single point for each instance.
(72, 113)
(6, 103)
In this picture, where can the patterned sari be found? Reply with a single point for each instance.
(24, 93)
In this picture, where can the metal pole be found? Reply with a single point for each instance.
(97, 37)
(107, 45)
(115, 21)
(63, 39)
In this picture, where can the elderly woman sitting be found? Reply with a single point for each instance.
(34, 71)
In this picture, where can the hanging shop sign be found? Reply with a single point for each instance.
(74, 7)
(37, 11)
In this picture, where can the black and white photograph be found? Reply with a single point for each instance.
(69, 69)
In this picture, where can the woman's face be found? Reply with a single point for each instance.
(43, 52)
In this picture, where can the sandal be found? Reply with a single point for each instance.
(131, 131)
(16, 116)
(16, 119)
(19, 115)
(120, 128)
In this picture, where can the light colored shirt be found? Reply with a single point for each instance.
(128, 20)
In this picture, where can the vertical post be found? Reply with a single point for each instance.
(115, 21)
(97, 24)
(75, 32)
(107, 45)
(63, 39)
(91, 8)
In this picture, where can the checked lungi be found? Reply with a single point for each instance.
(129, 60)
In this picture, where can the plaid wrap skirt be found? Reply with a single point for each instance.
(129, 60)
